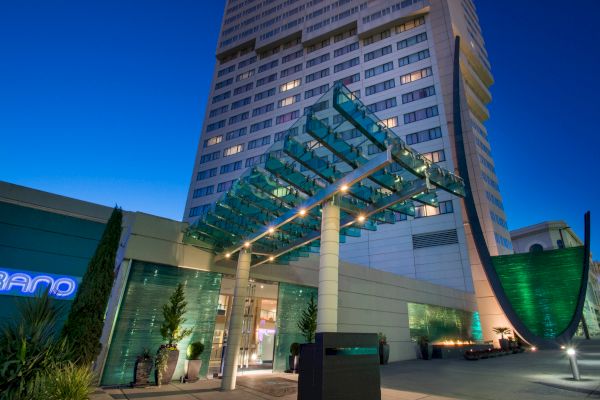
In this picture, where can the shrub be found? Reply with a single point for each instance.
(29, 348)
(308, 321)
(70, 382)
(173, 314)
(194, 350)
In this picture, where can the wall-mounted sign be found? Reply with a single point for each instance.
(29, 283)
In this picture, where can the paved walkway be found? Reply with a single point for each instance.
(540, 375)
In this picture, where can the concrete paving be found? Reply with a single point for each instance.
(533, 375)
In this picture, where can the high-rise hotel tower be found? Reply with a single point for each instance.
(276, 57)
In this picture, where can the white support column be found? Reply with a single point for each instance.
(234, 333)
(328, 267)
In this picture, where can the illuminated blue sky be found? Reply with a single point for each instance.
(103, 101)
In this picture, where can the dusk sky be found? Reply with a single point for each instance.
(103, 101)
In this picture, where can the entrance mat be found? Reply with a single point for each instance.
(273, 386)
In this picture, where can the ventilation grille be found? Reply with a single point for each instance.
(439, 238)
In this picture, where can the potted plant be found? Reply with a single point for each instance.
(502, 330)
(194, 351)
(142, 369)
(172, 332)
(293, 357)
(308, 321)
(384, 349)
(426, 348)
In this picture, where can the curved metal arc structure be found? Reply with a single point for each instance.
(479, 238)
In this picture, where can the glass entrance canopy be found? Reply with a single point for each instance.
(340, 151)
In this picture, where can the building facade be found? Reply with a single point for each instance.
(274, 59)
(43, 234)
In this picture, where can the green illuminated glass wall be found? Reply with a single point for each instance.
(149, 286)
(542, 287)
(291, 302)
(442, 323)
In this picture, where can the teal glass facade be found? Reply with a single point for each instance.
(149, 286)
(38, 241)
(442, 323)
(291, 302)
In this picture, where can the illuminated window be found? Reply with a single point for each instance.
(213, 140)
(238, 148)
(390, 122)
(415, 76)
(290, 85)
(288, 101)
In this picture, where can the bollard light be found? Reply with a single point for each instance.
(572, 354)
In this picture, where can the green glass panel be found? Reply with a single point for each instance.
(476, 331)
(149, 286)
(291, 302)
(439, 323)
(542, 287)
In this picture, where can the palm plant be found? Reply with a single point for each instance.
(501, 330)
(308, 321)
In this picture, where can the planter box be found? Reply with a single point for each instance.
(167, 376)
(141, 372)
(384, 353)
(193, 370)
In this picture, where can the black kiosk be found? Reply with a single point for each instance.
(342, 366)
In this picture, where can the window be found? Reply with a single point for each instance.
(288, 101)
(224, 186)
(292, 56)
(266, 79)
(391, 122)
(382, 105)
(207, 173)
(235, 134)
(268, 66)
(234, 166)
(317, 60)
(344, 35)
(260, 125)
(263, 141)
(320, 106)
(494, 200)
(418, 94)
(265, 94)
(317, 75)
(411, 41)
(378, 53)
(349, 79)
(380, 69)
(225, 71)
(246, 62)
(380, 87)
(244, 75)
(215, 125)
(424, 136)
(377, 37)
(222, 84)
(350, 134)
(535, 248)
(290, 70)
(498, 219)
(279, 136)
(222, 96)
(243, 89)
(419, 115)
(410, 25)
(239, 118)
(252, 161)
(218, 111)
(290, 85)
(210, 157)
(346, 49)
(346, 64)
(317, 46)
(236, 148)
(203, 191)
(213, 140)
(195, 211)
(435, 156)
(287, 117)
(316, 91)
(444, 207)
(415, 76)
(263, 109)
(240, 103)
(412, 58)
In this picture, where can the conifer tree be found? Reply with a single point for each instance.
(173, 313)
(83, 327)
(308, 321)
